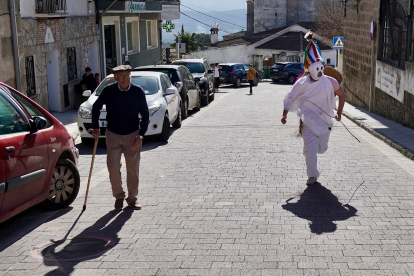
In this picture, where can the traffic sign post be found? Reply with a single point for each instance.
(338, 42)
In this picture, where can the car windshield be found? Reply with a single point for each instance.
(171, 73)
(195, 67)
(226, 68)
(148, 83)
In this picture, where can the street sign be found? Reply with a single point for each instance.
(338, 42)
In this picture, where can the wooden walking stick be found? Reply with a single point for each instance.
(90, 173)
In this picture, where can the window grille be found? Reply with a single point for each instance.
(30, 76)
(410, 38)
(71, 56)
(393, 35)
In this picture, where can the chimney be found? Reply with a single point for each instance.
(214, 35)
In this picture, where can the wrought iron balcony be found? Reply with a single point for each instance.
(51, 9)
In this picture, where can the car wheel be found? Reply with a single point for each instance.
(177, 122)
(212, 97)
(165, 133)
(184, 109)
(291, 79)
(237, 83)
(198, 106)
(275, 81)
(64, 186)
(206, 100)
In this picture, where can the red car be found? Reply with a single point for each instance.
(38, 157)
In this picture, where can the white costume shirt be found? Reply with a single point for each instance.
(310, 100)
(216, 72)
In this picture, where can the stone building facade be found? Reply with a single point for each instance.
(7, 72)
(272, 14)
(385, 84)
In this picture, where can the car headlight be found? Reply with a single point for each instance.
(85, 112)
(154, 108)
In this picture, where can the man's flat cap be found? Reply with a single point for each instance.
(122, 68)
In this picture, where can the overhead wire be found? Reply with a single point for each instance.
(204, 23)
(214, 11)
(213, 17)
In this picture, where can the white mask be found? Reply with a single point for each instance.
(314, 69)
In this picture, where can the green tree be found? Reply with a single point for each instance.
(188, 39)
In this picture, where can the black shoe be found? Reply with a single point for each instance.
(119, 204)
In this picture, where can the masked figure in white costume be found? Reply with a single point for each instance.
(313, 98)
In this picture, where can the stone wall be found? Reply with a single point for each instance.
(357, 50)
(7, 74)
(357, 67)
(76, 32)
(271, 14)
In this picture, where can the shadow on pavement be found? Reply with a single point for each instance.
(322, 208)
(91, 243)
(25, 222)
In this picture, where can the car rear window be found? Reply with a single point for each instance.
(194, 67)
(171, 73)
(226, 68)
(279, 65)
(148, 84)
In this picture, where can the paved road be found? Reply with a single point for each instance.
(227, 196)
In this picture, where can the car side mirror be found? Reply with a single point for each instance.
(87, 93)
(197, 79)
(37, 123)
(210, 71)
(170, 91)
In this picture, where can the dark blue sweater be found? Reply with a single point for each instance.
(122, 109)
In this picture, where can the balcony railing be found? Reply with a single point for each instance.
(50, 6)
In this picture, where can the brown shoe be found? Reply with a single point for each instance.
(119, 203)
(135, 205)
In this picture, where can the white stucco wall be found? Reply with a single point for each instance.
(73, 8)
(394, 81)
(229, 54)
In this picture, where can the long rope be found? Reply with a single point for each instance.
(331, 117)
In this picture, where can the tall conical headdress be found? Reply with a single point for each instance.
(312, 52)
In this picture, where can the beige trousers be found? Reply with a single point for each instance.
(116, 145)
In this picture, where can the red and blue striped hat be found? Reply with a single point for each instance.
(312, 52)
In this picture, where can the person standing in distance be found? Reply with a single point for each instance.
(88, 81)
(251, 75)
(217, 76)
(124, 103)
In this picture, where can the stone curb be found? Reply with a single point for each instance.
(407, 152)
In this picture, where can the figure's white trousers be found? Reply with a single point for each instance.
(312, 146)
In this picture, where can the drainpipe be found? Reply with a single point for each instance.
(15, 45)
(101, 34)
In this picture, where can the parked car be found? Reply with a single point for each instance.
(38, 157)
(287, 71)
(164, 105)
(203, 75)
(235, 73)
(184, 81)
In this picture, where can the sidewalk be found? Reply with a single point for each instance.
(391, 132)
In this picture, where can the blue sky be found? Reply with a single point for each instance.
(215, 5)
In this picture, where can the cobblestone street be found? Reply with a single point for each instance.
(227, 196)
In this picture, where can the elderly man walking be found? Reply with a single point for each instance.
(125, 102)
